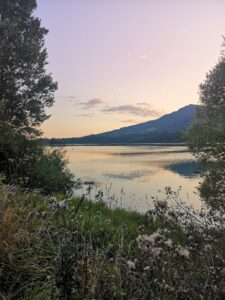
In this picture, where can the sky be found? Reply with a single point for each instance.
(122, 62)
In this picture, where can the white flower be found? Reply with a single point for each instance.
(182, 251)
(208, 247)
(168, 243)
(62, 204)
(156, 252)
(143, 242)
(155, 236)
(52, 199)
(147, 241)
(131, 264)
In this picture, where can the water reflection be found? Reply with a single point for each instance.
(140, 171)
(134, 175)
(188, 169)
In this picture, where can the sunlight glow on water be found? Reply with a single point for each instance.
(135, 174)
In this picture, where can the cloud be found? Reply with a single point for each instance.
(84, 115)
(135, 110)
(91, 103)
(143, 103)
(130, 121)
(143, 56)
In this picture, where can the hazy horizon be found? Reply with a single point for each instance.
(118, 63)
(125, 126)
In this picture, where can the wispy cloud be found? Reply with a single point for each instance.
(143, 103)
(84, 115)
(136, 110)
(91, 103)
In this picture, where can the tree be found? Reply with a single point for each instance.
(26, 90)
(207, 134)
(25, 87)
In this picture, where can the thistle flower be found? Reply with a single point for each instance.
(156, 252)
(168, 243)
(145, 241)
(131, 264)
(183, 252)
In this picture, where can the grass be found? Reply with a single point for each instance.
(77, 249)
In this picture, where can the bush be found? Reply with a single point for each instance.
(32, 166)
(50, 173)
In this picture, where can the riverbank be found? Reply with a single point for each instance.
(76, 249)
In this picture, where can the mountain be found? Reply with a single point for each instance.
(168, 128)
(175, 121)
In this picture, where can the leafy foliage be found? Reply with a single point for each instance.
(25, 87)
(26, 90)
(207, 135)
(50, 174)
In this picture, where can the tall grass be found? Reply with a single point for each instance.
(77, 249)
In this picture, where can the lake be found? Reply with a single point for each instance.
(131, 175)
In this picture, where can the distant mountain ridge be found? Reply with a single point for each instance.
(168, 128)
(178, 120)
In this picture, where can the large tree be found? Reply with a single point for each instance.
(25, 87)
(207, 135)
(26, 90)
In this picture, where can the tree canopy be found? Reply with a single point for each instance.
(25, 87)
(207, 135)
(26, 90)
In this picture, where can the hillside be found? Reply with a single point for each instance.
(168, 128)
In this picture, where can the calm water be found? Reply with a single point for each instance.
(130, 175)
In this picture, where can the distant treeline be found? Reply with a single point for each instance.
(153, 137)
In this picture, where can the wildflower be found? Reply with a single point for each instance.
(62, 204)
(168, 243)
(169, 288)
(52, 199)
(156, 252)
(131, 265)
(165, 230)
(171, 218)
(183, 252)
(208, 247)
(145, 241)
(43, 214)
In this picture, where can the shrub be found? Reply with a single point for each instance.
(50, 173)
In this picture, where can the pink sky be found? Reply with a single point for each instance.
(120, 62)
